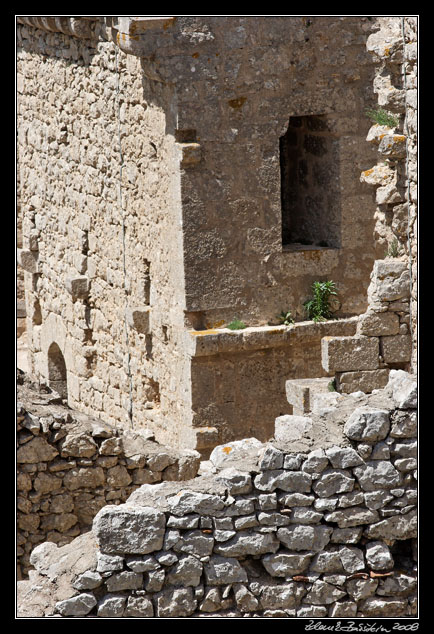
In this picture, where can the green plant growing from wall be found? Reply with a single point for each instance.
(236, 324)
(332, 386)
(393, 250)
(320, 307)
(285, 318)
(382, 117)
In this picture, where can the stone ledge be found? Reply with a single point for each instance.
(220, 340)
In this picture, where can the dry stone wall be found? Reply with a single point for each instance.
(69, 465)
(301, 526)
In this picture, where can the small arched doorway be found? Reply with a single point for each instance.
(57, 371)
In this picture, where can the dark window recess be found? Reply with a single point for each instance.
(310, 183)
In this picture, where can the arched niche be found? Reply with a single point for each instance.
(57, 371)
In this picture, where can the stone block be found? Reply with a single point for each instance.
(206, 437)
(364, 381)
(390, 281)
(376, 324)
(342, 354)
(288, 428)
(396, 349)
(78, 286)
(129, 529)
(27, 260)
(298, 392)
(190, 154)
(138, 318)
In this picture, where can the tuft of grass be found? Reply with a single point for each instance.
(320, 306)
(332, 386)
(285, 318)
(393, 249)
(382, 117)
(236, 324)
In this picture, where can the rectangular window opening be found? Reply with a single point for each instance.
(310, 184)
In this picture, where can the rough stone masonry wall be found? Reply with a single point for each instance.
(303, 526)
(70, 113)
(69, 465)
(394, 50)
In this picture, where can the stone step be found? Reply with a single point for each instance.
(299, 393)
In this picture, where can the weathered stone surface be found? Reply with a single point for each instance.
(378, 556)
(333, 481)
(343, 457)
(396, 527)
(243, 454)
(36, 450)
(194, 543)
(224, 570)
(275, 597)
(271, 458)
(284, 480)
(194, 502)
(399, 585)
(245, 600)
(84, 477)
(376, 324)
(303, 537)
(361, 588)
(346, 535)
(404, 389)
(111, 606)
(396, 348)
(390, 281)
(343, 354)
(139, 318)
(286, 564)
(80, 605)
(248, 543)
(78, 286)
(367, 425)
(374, 606)
(124, 581)
(323, 593)
(288, 428)
(343, 609)
(175, 603)
(353, 516)
(364, 381)
(352, 559)
(186, 572)
(236, 481)
(128, 529)
(88, 580)
(377, 474)
(78, 445)
(139, 607)
(316, 461)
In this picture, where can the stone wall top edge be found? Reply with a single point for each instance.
(216, 340)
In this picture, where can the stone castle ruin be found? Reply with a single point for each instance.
(176, 175)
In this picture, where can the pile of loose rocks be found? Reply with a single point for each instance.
(70, 465)
(263, 532)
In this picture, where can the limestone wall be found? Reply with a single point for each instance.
(312, 524)
(69, 465)
(101, 263)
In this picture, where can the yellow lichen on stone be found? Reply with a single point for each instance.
(227, 450)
